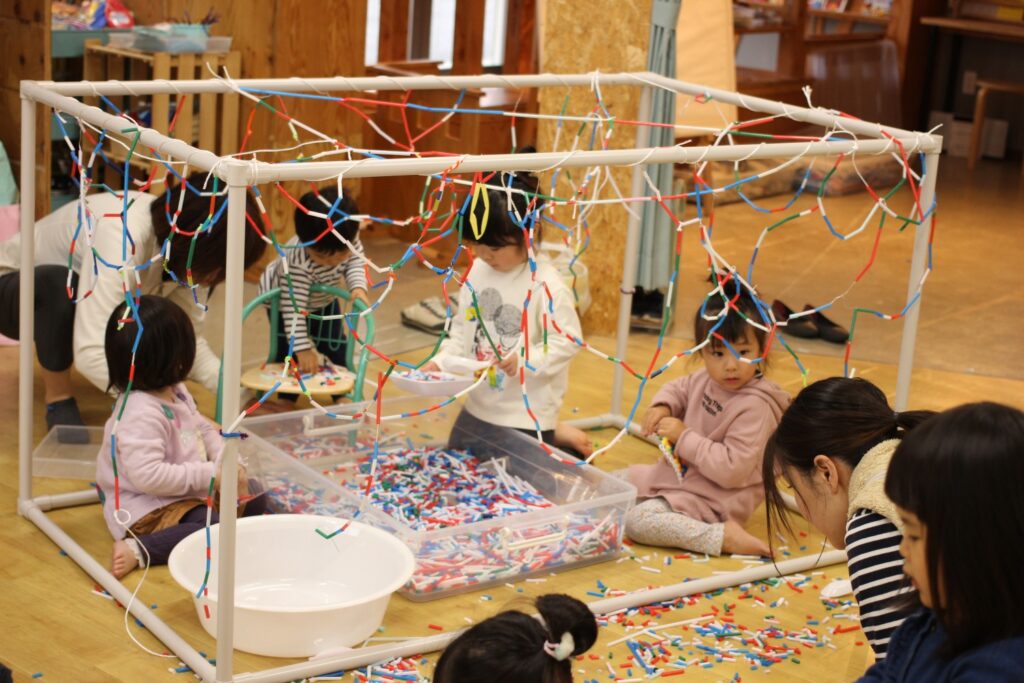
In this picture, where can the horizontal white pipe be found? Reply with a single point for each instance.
(712, 583)
(153, 624)
(340, 84)
(759, 104)
(355, 659)
(197, 159)
(66, 500)
(436, 82)
(376, 168)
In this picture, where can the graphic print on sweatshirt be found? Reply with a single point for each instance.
(503, 323)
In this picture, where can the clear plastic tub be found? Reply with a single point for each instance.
(68, 453)
(175, 38)
(315, 470)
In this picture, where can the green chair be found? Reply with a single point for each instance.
(365, 327)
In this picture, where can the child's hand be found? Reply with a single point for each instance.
(360, 294)
(652, 417)
(670, 428)
(510, 364)
(429, 366)
(307, 361)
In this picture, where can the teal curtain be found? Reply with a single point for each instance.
(657, 234)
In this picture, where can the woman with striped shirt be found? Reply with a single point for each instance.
(833, 446)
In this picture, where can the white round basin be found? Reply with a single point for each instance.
(298, 592)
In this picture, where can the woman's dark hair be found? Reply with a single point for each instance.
(507, 225)
(509, 647)
(961, 473)
(840, 417)
(165, 352)
(315, 229)
(733, 328)
(208, 257)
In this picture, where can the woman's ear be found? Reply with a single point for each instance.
(826, 472)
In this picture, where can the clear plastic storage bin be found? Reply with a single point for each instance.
(68, 453)
(316, 469)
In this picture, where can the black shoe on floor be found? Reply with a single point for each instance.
(65, 417)
(828, 330)
(802, 327)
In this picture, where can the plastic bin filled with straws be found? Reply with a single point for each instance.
(503, 510)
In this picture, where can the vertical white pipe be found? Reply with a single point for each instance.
(231, 360)
(922, 233)
(629, 259)
(26, 303)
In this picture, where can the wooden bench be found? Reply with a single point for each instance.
(981, 99)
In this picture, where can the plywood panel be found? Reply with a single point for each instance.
(568, 47)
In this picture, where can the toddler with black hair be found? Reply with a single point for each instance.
(716, 422)
(323, 252)
(514, 647)
(154, 473)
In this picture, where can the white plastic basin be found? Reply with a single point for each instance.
(297, 593)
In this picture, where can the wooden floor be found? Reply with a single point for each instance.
(54, 625)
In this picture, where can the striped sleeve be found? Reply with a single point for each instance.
(301, 270)
(876, 572)
(355, 273)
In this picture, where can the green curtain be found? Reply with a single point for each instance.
(657, 234)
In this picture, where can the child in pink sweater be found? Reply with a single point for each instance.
(716, 421)
(166, 453)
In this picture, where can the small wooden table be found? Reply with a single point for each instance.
(329, 380)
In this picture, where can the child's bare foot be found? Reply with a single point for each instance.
(738, 540)
(124, 560)
(573, 437)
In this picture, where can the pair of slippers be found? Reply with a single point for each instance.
(811, 326)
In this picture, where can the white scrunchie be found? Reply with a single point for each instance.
(561, 650)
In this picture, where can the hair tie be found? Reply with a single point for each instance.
(561, 650)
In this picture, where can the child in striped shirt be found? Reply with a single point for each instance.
(833, 446)
(323, 251)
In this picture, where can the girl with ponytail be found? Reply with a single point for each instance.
(513, 647)
(833, 446)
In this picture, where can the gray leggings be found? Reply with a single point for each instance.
(654, 522)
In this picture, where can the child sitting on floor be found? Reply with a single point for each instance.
(320, 253)
(155, 472)
(716, 421)
(513, 647)
(956, 481)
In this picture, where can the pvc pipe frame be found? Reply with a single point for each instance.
(239, 174)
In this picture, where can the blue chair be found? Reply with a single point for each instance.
(272, 298)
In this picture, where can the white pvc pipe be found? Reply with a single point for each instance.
(117, 590)
(67, 500)
(375, 168)
(232, 373)
(711, 583)
(197, 159)
(630, 255)
(922, 233)
(26, 301)
(434, 82)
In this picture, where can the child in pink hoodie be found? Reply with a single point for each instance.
(158, 454)
(717, 421)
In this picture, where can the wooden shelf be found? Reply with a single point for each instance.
(767, 28)
(855, 17)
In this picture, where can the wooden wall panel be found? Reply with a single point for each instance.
(568, 46)
(25, 54)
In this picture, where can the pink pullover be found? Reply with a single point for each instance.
(722, 446)
(166, 452)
